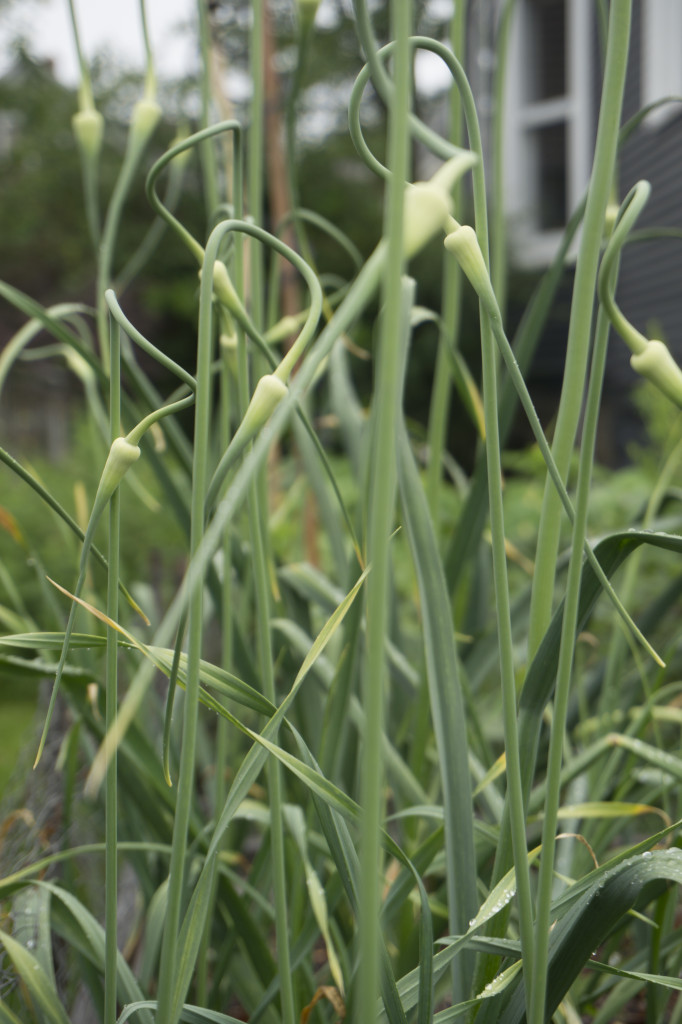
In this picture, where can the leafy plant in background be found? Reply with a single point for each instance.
(399, 781)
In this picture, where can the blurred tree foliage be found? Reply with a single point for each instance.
(316, 67)
(46, 243)
(47, 251)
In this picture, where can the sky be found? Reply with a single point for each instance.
(112, 25)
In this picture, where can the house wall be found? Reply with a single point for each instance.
(649, 288)
(649, 291)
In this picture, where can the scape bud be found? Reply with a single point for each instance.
(428, 204)
(656, 363)
(145, 117)
(464, 245)
(88, 128)
(121, 457)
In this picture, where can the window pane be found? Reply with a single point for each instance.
(546, 49)
(549, 160)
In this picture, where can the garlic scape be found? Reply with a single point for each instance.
(463, 244)
(123, 453)
(428, 204)
(272, 387)
(650, 359)
(658, 365)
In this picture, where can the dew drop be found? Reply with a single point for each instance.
(472, 922)
(30, 944)
(647, 854)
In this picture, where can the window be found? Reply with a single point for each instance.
(548, 123)
(661, 67)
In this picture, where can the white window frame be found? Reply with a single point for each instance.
(661, 58)
(530, 246)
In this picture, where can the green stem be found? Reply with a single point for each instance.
(452, 291)
(503, 610)
(505, 639)
(464, 542)
(151, 241)
(111, 787)
(85, 83)
(502, 601)
(226, 641)
(555, 477)
(498, 233)
(167, 1011)
(206, 150)
(135, 435)
(145, 115)
(384, 85)
(350, 309)
(146, 346)
(121, 457)
(632, 206)
(631, 576)
(255, 159)
(181, 147)
(150, 74)
(387, 405)
(564, 671)
(255, 191)
(580, 324)
(88, 126)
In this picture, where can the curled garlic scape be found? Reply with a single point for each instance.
(650, 359)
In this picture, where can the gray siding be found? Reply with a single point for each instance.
(650, 283)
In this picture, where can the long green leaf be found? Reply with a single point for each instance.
(447, 703)
(93, 944)
(402, 777)
(591, 919)
(246, 775)
(539, 683)
(7, 1016)
(347, 863)
(408, 985)
(190, 1014)
(654, 979)
(17, 878)
(213, 677)
(39, 987)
